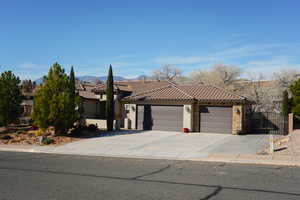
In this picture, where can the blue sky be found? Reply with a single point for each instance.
(137, 37)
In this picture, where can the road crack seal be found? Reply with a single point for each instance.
(151, 173)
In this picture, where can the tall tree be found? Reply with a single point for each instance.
(167, 73)
(74, 105)
(285, 107)
(295, 89)
(219, 74)
(10, 98)
(53, 103)
(110, 100)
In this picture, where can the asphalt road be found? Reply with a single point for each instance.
(45, 176)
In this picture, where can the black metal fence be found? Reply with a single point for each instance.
(268, 123)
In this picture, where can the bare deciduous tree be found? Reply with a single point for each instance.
(220, 74)
(285, 77)
(262, 92)
(167, 72)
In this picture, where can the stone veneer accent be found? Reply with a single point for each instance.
(237, 119)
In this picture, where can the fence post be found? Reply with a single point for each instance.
(291, 123)
(271, 141)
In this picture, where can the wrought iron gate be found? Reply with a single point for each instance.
(267, 122)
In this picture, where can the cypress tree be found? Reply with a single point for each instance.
(285, 108)
(110, 100)
(72, 82)
(73, 100)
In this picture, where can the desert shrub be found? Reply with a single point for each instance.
(6, 137)
(39, 133)
(47, 141)
(19, 132)
(92, 127)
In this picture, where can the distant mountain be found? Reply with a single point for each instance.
(95, 79)
(101, 78)
(39, 81)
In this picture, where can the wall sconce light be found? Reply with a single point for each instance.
(187, 108)
(133, 108)
(238, 111)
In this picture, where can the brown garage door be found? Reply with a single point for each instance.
(164, 118)
(216, 119)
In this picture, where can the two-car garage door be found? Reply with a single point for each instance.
(213, 119)
(164, 118)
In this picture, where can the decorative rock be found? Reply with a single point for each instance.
(41, 138)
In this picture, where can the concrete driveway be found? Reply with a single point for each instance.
(159, 144)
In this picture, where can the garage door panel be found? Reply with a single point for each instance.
(165, 118)
(216, 119)
(216, 130)
(224, 126)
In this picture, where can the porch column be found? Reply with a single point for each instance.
(132, 115)
(188, 117)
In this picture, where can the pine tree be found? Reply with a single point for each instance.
(10, 98)
(285, 108)
(110, 100)
(295, 89)
(54, 101)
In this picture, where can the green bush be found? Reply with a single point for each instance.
(6, 137)
(92, 127)
(47, 141)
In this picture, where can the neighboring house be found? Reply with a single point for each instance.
(93, 102)
(89, 100)
(166, 106)
(26, 107)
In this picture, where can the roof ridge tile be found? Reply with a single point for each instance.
(148, 91)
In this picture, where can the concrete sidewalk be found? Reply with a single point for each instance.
(256, 159)
(227, 158)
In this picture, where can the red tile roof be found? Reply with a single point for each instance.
(175, 92)
(117, 86)
(164, 90)
(210, 93)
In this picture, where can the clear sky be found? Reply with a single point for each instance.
(139, 36)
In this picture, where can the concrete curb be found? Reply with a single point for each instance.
(240, 159)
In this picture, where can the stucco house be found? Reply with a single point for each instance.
(166, 106)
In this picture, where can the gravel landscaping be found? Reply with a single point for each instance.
(29, 135)
(286, 145)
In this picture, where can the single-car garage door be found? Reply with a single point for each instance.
(164, 118)
(216, 119)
